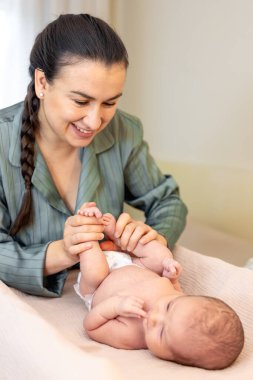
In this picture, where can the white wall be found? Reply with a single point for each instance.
(191, 82)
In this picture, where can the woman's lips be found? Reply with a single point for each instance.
(82, 132)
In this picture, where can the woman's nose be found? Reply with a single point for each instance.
(93, 119)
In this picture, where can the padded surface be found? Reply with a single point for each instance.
(44, 339)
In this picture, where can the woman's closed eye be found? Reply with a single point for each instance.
(109, 104)
(81, 102)
(86, 102)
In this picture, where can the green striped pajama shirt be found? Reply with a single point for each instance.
(116, 168)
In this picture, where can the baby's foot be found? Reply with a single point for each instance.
(109, 223)
(90, 211)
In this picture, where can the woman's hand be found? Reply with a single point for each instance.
(79, 231)
(129, 233)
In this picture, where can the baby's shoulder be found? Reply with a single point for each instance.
(158, 287)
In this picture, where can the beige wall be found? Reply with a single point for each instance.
(191, 82)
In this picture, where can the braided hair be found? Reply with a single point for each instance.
(68, 39)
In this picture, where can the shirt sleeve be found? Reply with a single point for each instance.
(154, 193)
(22, 267)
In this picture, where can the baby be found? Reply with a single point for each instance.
(133, 304)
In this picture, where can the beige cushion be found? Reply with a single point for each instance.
(44, 339)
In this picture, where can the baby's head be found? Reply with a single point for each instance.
(194, 330)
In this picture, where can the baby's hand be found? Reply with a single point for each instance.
(172, 269)
(90, 209)
(130, 306)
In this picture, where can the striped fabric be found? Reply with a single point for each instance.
(116, 168)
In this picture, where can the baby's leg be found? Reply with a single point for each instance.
(157, 258)
(110, 224)
(94, 269)
(93, 265)
(152, 255)
(112, 244)
(90, 211)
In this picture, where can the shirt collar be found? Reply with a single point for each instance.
(102, 142)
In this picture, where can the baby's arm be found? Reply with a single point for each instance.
(93, 264)
(102, 323)
(113, 307)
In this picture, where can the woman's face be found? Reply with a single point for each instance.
(79, 103)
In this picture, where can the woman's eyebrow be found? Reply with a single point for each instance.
(92, 98)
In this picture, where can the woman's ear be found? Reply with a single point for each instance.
(40, 83)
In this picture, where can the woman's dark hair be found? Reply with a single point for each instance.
(68, 39)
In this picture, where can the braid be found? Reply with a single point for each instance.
(29, 123)
(69, 37)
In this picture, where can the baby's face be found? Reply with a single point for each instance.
(165, 326)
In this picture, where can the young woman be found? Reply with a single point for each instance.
(67, 144)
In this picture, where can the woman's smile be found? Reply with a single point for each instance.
(74, 110)
(81, 132)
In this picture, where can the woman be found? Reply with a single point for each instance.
(67, 144)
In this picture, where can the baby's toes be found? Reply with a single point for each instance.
(109, 218)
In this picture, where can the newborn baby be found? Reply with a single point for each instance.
(133, 304)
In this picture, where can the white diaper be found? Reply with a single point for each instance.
(115, 260)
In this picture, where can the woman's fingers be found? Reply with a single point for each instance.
(129, 233)
(149, 236)
(79, 230)
(81, 220)
(121, 223)
(78, 224)
(126, 235)
(84, 237)
(139, 230)
(79, 248)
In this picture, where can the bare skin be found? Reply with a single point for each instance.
(93, 264)
(123, 297)
(122, 305)
(133, 307)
